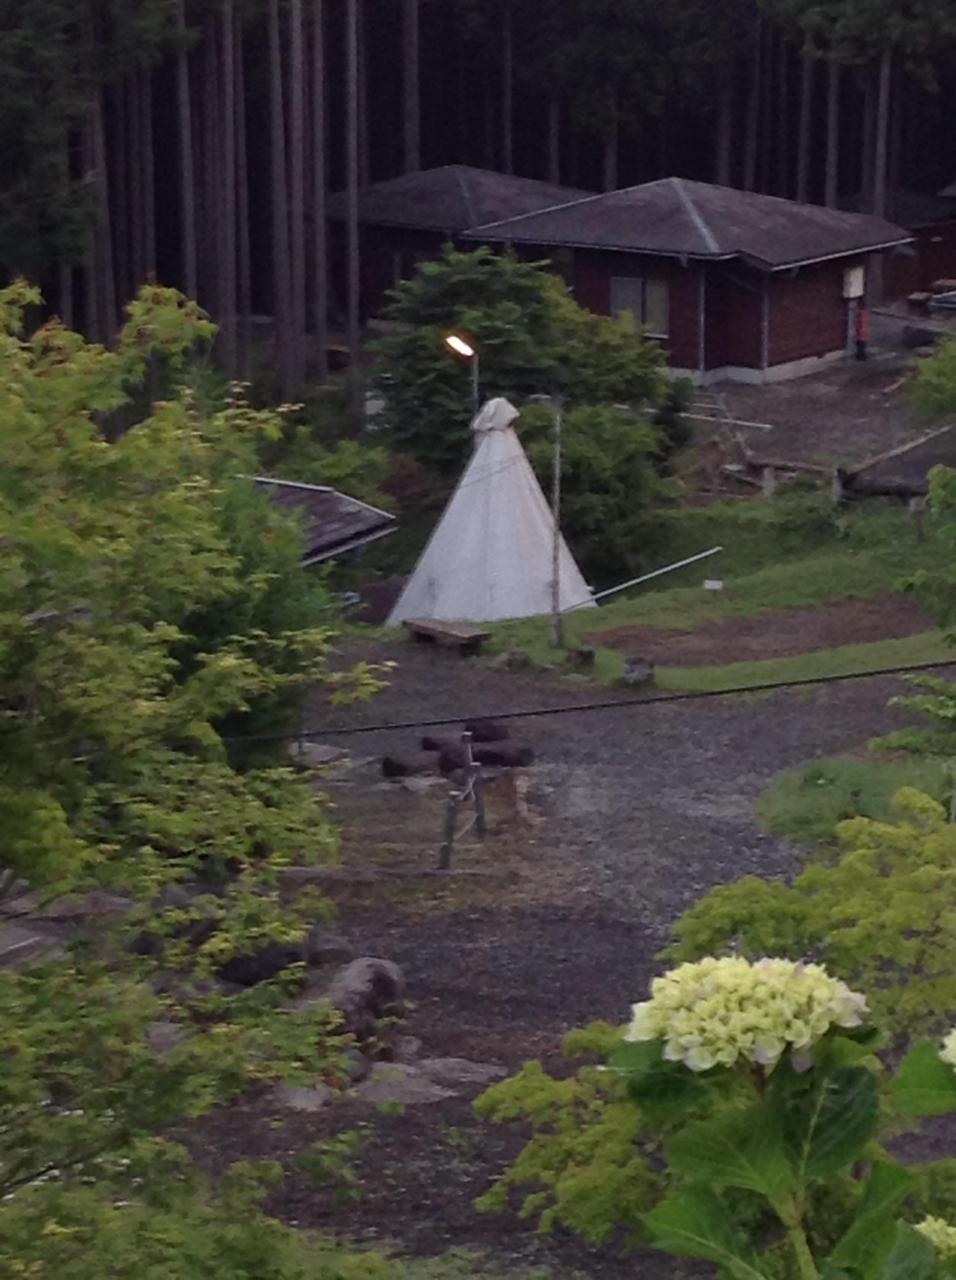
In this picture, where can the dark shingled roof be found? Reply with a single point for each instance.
(913, 208)
(679, 218)
(451, 199)
(333, 522)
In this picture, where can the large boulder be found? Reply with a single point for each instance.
(368, 993)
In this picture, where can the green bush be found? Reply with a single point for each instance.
(808, 803)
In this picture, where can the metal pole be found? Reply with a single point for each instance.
(557, 628)
(645, 577)
(475, 394)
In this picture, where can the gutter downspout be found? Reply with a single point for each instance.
(765, 325)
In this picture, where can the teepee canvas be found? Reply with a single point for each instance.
(490, 555)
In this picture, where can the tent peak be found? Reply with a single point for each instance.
(497, 414)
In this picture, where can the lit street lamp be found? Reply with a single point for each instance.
(467, 351)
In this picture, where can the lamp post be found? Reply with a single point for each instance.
(460, 346)
(557, 622)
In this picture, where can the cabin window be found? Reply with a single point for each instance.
(647, 300)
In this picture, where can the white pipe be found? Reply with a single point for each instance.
(645, 577)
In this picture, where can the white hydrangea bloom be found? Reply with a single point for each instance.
(715, 1011)
(940, 1235)
(948, 1051)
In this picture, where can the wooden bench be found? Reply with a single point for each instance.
(467, 640)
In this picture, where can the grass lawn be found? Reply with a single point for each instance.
(928, 646)
(872, 557)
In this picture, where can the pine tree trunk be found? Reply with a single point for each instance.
(488, 122)
(364, 150)
(244, 248)
(135, 261)
(898, 104)
(297, 188)
(725, 125)
(66, 294)
(807, 68)
(212, 177)
(411, 87)
(868, 152)
(187, 179)
(320, 302)
(752, 128)
(881, 139)
(767, 104)
(507, 89)
(554, 141)
(610, 158)
(282, 279)
(783, 118)
(831, 194)
(104, 232)
(125, 163)
(148, 161)
(352, 189)
(227, 230)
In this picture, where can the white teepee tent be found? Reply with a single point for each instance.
(490, 555)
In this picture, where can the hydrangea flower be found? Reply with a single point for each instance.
(715, 1011)
(948, 1051)
(938, 1232)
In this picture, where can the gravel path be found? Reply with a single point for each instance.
(644, 809)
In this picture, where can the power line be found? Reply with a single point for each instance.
(609, 704)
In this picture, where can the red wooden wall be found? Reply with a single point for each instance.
(808, 313)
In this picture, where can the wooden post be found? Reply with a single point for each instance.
(448, 839)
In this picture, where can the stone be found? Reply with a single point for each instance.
(513, 660)
(300, 1097)
(19, 944)
(366, 992)
(406, 1048)
(581, 658)
(637, 672)
(418, 786)
(163, 1037)
(326, 946)
(460, 1070)
(399, 1082)
(316, 754)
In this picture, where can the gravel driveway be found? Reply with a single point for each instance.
(642, 809)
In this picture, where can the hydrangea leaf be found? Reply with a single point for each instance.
(827, 1117)
(870, 1238)
(741, 1148)
(665, 1091)
(695, 1224)
(912, 1257)
(924, 1084)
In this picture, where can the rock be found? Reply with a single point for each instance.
(580, 659)
(301, 1097)
(356, 1065)
(316, 754)
(399, 1082)
(418, 786)
(86, 905)
(19, 944)
(515, 660)
(460, 1070)
(163, 1037)
(366, 992)
(406, 1048)
(637, 672)
(325, 946)
(409, 764)
(487, 730)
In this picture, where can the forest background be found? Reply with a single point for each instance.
(195, 141)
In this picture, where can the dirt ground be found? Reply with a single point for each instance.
(840, 414)
(778, 633)
(631, 815)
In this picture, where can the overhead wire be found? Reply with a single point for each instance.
(609, 704)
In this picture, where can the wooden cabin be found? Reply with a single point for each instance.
(733, 285)
(931, 221)
(406, 220)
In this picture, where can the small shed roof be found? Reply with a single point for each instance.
(677, 218)
(451, 199)
(334, 523)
